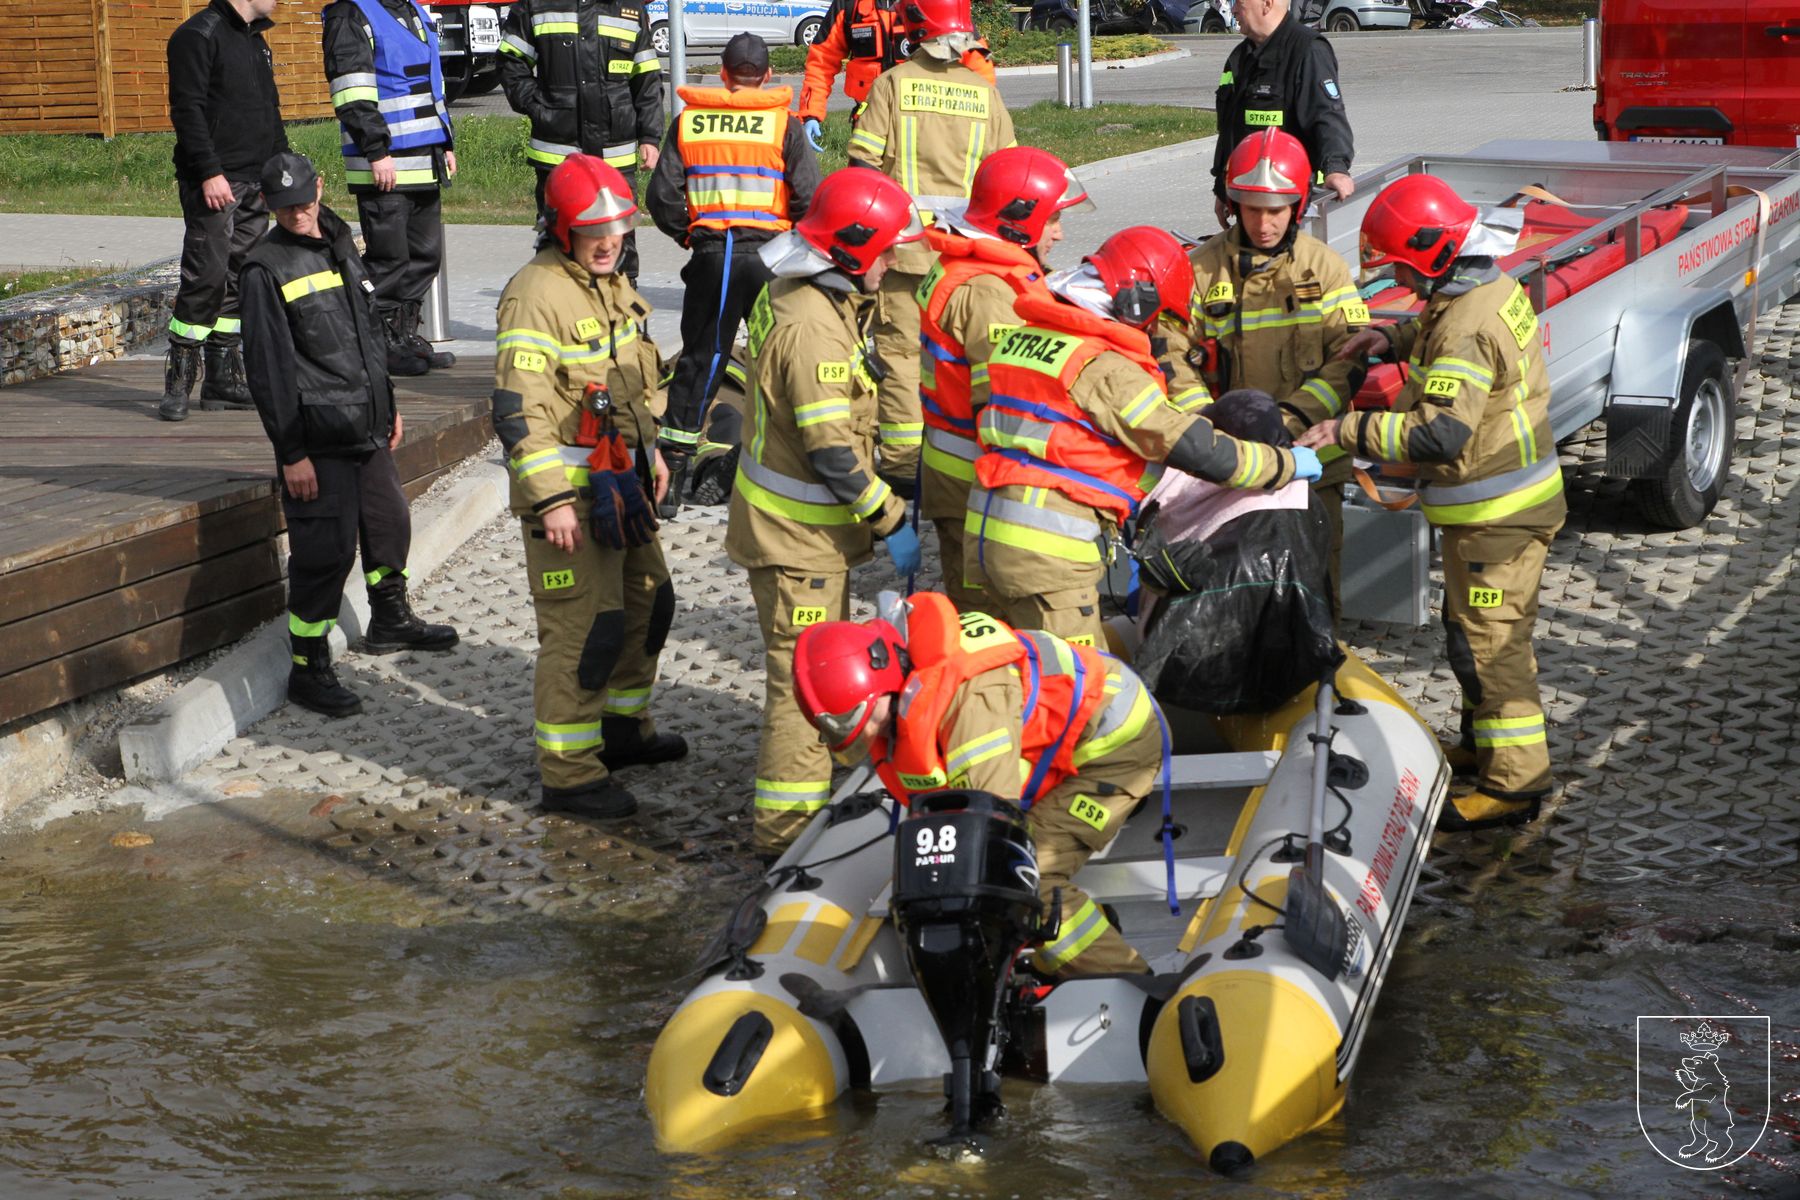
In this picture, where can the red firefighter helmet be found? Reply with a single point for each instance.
(856, 215)
(926, 19)
(1269, 170)
(1418, 220)
(1146, 271)
(840, 669)
(584, 193)
(1018, 190)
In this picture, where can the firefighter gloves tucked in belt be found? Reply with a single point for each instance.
(621, 518)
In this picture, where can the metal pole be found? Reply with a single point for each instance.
(1065, 79)
(677, 53)
(1590, 54)
(435, 315)
(1085, 40)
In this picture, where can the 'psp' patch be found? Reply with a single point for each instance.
(1092, 812)
(1356, 312)
(587, 328)
(530, 360)
(1480, 597)
(1446, 386)
(557, 580)
(834, 372)
(807, 614)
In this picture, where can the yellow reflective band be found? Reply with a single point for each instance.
(306, 285)
(1325, 394)
(1474, 372)
(228, 325)
(977, 751)
(352, 94)
(872, 500)
(562, 739)
(1078, 933)
(1190, 399)
(555, 27)
(1251, 466)
(801, 511)
(300, 628)
(531, 464)
(836, 408)
(1141, 712)
(900, 433)
(197, 333)
(875, 145)
(1478, 511)
(776, 795)
(1025, 537)
(1142, 405)
(626, 702)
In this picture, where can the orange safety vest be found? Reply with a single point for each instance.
(1033, 435)
(1065, 685)
(945, 391)
(732, 152)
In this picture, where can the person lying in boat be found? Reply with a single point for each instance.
(968, 702)
(1238, 602)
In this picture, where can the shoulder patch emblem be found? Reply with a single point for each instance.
(587, 328)
(527, 360)
(1356, 312)
(834, 372)
(1446, 386)
(1331, 89)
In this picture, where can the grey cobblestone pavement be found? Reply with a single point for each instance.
(1667, 667)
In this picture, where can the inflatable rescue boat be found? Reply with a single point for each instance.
(876, 953)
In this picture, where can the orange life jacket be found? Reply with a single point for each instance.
(732, 154)
(945, 391)
(1064, 685)
(1033, 435)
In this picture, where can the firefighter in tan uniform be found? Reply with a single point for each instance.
(572, 332)
(807, 504)
(988, 253)
(1089, 753)
(1075, 432)
(1475, 417)
(1272, 307)
(927, 124)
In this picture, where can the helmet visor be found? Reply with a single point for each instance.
(914, 228)
(838, 730)
(1075, 195)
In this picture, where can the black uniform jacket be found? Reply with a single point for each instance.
(1290, 81)
(222, 98)
(313, 350)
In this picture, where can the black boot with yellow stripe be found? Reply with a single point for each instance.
(1468, 809)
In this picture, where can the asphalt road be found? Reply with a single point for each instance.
(1413, 92)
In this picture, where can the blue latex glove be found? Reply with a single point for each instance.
(1306, 464)
(815, 134)
(903, 547)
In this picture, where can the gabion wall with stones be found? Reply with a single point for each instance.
(1667, 670)
(74, 326)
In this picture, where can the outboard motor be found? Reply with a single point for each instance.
(966, 901)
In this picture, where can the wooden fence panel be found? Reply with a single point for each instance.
(101, 66)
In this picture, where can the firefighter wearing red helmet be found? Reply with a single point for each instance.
(572, 330)
(807, 504)
(989, 252)
(1475, 419)
(1076, 431)
(1081, 755)
(927, 125)
(1273, 305)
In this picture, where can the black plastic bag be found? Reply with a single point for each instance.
(1245, 621)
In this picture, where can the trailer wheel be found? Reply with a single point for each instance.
(1700, 442)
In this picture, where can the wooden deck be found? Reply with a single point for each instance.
(129, 543)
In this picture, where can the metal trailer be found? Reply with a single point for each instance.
(1656, 350)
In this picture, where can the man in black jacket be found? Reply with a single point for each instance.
(227, 119)
(381, 58)
(318, 370)
(1282, 74)
(585, 74)
(755, 177)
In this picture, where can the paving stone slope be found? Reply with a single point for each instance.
(1667, 666)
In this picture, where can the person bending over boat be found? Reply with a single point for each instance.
(1475, 417)
(1077, 427)
(968, 702)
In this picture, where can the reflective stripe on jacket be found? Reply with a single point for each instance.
(407, 86)
(587, 76)
(732, 153)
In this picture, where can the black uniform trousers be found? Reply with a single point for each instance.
(719, 292)
(628, 258)
(359, 501)
(212, 251)
(403, 233)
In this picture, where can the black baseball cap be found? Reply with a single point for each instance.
(289, 179)
(746, 56)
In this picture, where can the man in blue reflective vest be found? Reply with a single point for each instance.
(381, 57)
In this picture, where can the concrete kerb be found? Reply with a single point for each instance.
(193, 723)
(1199, 149)
(1113, 64)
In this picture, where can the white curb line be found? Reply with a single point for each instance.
(194, 723)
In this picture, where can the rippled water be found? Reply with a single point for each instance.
(232, 1013)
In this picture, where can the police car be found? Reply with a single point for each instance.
(715, 22)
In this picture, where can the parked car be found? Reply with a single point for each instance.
(1727, 72)
(1349, 16)
(468, 45)
(715, 22)
(1108, 17)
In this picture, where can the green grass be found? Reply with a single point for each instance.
(1011, 46)
(1553, 12)
(132, 176)
(18, 283)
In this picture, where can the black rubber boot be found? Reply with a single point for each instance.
(225, 388)
(394, 626)
(601, 801)
(313, 684)
(412, 315)
(180, 371)
(626, 745)
(400, 358)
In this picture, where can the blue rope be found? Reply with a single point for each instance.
(712, 371)
(1032, 785)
